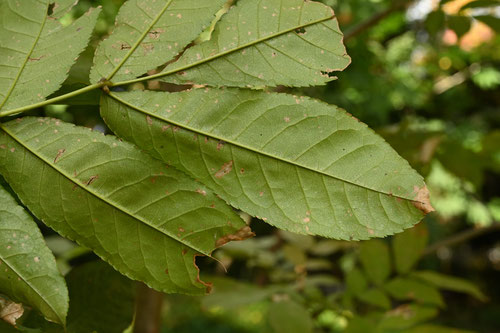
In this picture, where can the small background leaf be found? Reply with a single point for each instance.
(101, 299)
(411, 289)
(289, 317)
(450, 283)
(375, 258)
(408, 247)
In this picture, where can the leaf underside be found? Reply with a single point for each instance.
(152, 30)
(147, 220)
(266, 43)
(28, 271)
(297, 163)
(37, 51)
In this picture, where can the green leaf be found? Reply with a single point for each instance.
(230, 294)
(435, 21)
(408, 247)
(101, 299)
(37, 51)
(29, 272)
(450, 283)
(148, 33)
(266, 43)
(406, 316)
(375, 258)
(146, 219)
(430, 328)
(375, 297)
(480, 4)
(411, 289)
(459, 24)
(299, 164)
(289, 317)
(6, 328)
(356, 282)
(491, 21)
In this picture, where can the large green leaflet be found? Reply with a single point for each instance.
(146, 219)
(37, 51)
(266, 43)
(28, 271)
(150, 33)
(297, 163)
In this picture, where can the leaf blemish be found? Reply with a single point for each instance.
(220, 145)
(241, 234)
(224, 170)
(422, 200)
(59, 154)
(91, 180)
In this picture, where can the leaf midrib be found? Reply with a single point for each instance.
(96, 195)
(28, 55)
(6, 262)
(211, 135)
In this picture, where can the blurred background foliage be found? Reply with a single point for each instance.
(425, 75)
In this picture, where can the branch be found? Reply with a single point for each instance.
(148, 310)
(460, 238)
(363, 26)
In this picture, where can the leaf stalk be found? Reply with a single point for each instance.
(53, 100)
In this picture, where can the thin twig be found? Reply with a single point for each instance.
(460, 238)
(363, 26)
(148, 310)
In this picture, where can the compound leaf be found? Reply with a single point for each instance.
(28, 269)
(299, 164)
(37, 51)
(148, 220)
(148, 33)
(266, 43)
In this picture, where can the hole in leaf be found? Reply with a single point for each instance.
(50, 9)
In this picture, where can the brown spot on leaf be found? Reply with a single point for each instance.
(59, 154)
(36, 59)
(421, 200)
(184, 252)
(91, 180)
(155, 34)
(148, 47)
(149, 120)
(220, 145)
(241, 234)
(202, 192)
(224, 170)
